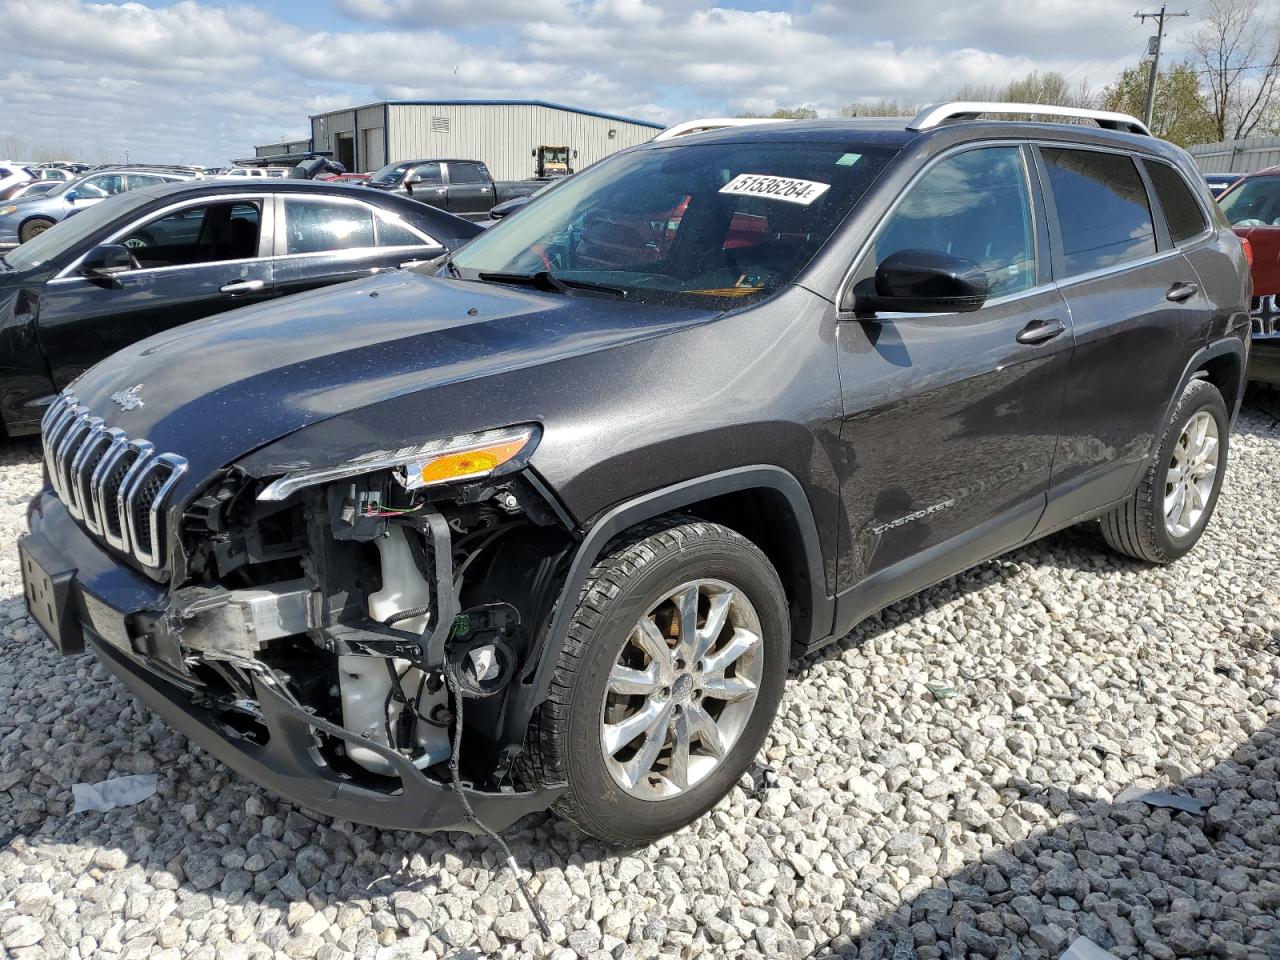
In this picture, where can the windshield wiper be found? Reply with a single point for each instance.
(547, 280)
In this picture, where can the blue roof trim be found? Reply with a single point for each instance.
(498, 103)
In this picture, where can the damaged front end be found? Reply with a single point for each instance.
(328, 624)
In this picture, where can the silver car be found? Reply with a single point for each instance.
(30, 216)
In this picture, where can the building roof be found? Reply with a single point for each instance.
(495, 103)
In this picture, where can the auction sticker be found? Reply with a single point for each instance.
(803, 192)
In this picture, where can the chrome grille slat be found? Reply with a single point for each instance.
(117, 487)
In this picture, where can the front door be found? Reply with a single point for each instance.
(951, 419)
(194, 261)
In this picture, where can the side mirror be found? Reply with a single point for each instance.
(71, 196)
(921, 281)
(106, 261)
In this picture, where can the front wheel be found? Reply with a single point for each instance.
(1175, 498)
(33, 228)
(668, 681)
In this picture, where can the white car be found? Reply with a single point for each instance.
(11, 175)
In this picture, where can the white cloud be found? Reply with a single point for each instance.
(203, 81)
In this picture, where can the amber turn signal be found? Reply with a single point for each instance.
(470, 463)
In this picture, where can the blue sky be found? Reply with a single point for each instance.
(205, 80)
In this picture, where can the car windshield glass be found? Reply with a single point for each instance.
(1254, 203)
(72, 231)
(392, 173)
(707, 224)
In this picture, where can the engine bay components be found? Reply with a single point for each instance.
(376, 606)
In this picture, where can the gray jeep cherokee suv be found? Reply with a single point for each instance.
(542, 523)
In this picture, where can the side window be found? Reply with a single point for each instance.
(393, 233)
(1181, 212)
(975, 205)
(106, 185)
(427, 174)
(465, 173)
(139, 180)
(317, 226)
(1102, 208)
(207, 233)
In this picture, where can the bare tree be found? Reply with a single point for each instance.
(1237, 49)
(883, 107)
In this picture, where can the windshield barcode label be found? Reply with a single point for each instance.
(803, 192)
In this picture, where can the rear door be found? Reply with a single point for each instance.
(328, 239)
(470, 189)
(195, 259)
(1137, 311)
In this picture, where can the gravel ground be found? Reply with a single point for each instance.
(902, 821)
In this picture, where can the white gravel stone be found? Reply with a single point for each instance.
(902, 825)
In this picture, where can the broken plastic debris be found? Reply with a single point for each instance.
(1160, 798)
(109, 794)
(1082, 948)
(941, 691)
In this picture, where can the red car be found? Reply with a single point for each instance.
(1252, 204)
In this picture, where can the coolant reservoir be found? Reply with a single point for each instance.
(364, 682)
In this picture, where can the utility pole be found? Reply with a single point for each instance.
(1153, 48)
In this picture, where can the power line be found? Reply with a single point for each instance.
(1104, 50)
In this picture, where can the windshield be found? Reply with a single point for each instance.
(71, 231)
(391, 174)
(689, 224)
(1254, 203)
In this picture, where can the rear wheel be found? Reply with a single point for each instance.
(1171, 507)
(671, 675)
(33, 228)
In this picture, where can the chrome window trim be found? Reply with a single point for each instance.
(68, 272)
(1156, 257)
(1061, 283)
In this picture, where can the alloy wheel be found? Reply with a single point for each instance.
(682, 689)
(1192, 473)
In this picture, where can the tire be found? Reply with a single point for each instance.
(1139, 527)
(33, 228)
(637, 573)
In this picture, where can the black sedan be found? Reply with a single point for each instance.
(144, 261)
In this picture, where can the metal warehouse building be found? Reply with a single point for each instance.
(502, 133)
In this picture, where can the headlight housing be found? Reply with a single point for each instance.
(469, 456)
(5, 211)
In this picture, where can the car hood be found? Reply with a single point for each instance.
(215, 390)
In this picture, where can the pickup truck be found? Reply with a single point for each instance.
(463, 187)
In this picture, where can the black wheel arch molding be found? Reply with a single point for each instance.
(812, 610)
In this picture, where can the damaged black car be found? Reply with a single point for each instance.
(542, 523)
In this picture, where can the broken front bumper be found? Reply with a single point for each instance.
(82, 591)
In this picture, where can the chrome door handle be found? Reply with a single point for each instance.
(440, 190)
(1182, 291)
(241, 286)
(1040, 331)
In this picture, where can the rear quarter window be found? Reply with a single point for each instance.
(1103, 212)
(1181, 211)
